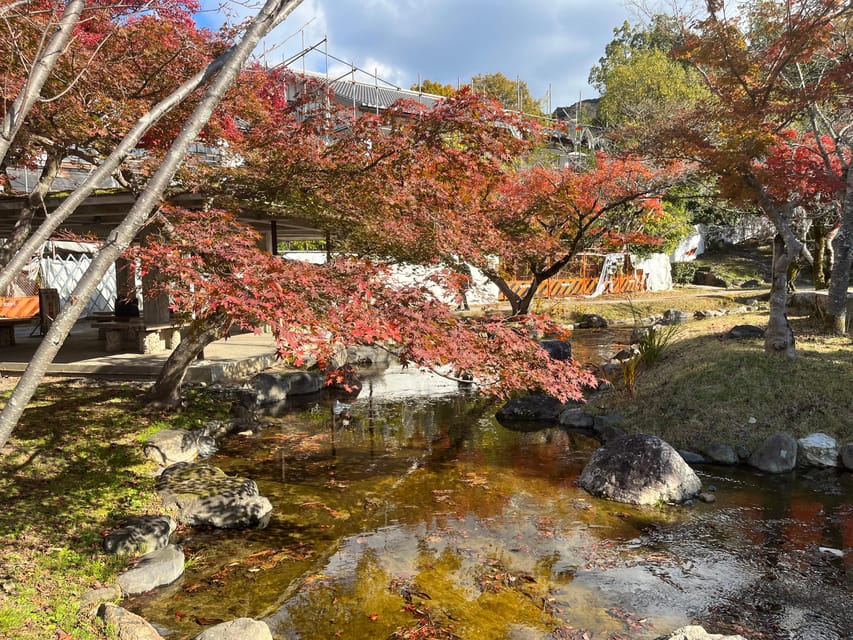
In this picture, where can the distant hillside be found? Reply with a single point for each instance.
(589, 111)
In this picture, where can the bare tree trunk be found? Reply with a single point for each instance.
(165, 393)
(272, 13)
(35, 200)
(842, 249)
(779, 338)
(17, 112)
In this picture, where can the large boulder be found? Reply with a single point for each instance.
(239, 629)
(202, 494)
(532, 408)
(639, 469)
(127, 625)
(140, 535)
(694, 632)
(777, 454)
(154, 569)
(817, 450)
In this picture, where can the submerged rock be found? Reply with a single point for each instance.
(639, 469)
(202, 494)
(777, 454)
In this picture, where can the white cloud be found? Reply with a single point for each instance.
(544, 42)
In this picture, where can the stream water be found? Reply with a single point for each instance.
(413, 514)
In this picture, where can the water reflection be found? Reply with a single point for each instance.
(409, 508)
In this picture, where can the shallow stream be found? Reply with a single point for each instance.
(414, 514)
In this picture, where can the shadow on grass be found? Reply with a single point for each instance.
(74, 464)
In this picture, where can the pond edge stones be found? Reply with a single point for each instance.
(639, 469)
(201, 494)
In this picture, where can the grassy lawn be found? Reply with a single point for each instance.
(72, 469)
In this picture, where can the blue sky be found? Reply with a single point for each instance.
(545, 42)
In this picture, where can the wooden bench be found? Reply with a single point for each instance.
(132, 334)
(7, 329)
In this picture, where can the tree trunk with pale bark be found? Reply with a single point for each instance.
(779, 337)
(842, 249)
(272, 14)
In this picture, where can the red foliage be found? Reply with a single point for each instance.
(210, 266)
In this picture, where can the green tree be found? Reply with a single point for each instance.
(513, 94)
(435, 88)
(640, 82)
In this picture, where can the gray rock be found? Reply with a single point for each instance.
(202, 494)
(557, 349)
(366, 354)
(745, 331)
(704, 276)
(721, 453)
(694, 632)
(576, 418)
(706, 496)
(140, 535)
(272, 389)
(777, 454)
(742, 452)
(750, 284)
(153, 570)
(239, 629)
(605, 428)
(846, 456)
(639, 469)
(674, 316)
(169, 446)
(127, 625)
(592, 321)
(817, 450)
(91, 601)
(691, 457)
(532, 408)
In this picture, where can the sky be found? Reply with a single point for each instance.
(547, 43)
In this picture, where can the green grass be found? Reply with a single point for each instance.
(72, 470)
(706, 388)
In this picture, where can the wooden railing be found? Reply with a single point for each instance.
(570, 287)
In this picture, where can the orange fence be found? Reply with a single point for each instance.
(23, 307)
(569, 287)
